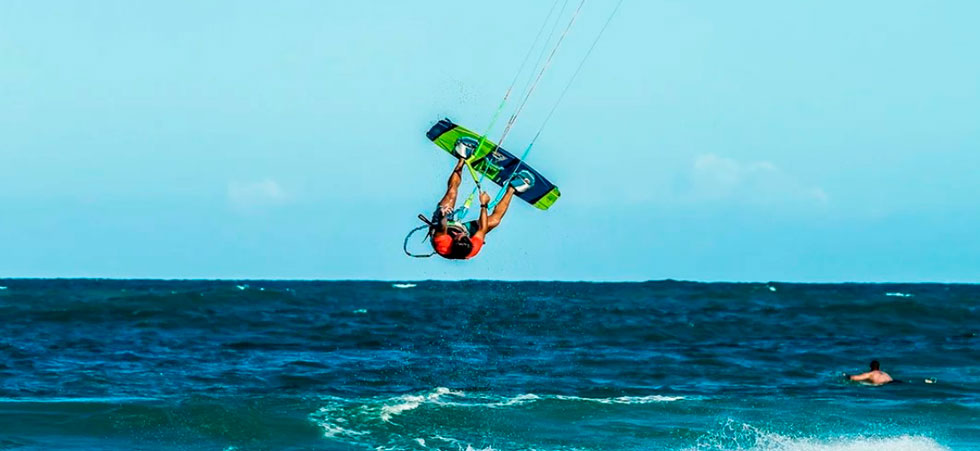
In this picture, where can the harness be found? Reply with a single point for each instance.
(452, 225)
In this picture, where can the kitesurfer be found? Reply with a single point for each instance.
(462, 240)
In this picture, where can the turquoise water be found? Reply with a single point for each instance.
(486, 365)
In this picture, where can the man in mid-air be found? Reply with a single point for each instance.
(462, 240)
(875, 376)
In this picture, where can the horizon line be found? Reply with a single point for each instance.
(635, 281)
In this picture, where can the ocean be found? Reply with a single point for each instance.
(482, 365)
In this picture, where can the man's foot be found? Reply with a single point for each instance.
(465, 147)
(522, 181)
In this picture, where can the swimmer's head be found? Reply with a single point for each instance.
(874, 365)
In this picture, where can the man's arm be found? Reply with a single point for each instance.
(483, 223)
(860, 377)
(452, 186)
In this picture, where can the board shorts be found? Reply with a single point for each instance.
(441, 212)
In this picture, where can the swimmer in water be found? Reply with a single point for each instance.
(874, 377)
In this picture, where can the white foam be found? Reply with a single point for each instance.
(625, 399)
(331, 422)
(900, 295)
(529, 398)
(445, 439)
(900, 443)
(343, 420)
(3, 288)
(409, 403)
(439, 391)
(331, 430)
(646, 399)
(471, 448)
(772, 288)
(518, 400)
(361, 310)
(403, 285)
(327, 417)
(736, 436)
(369, 422)
(242, 287)
(412, 402)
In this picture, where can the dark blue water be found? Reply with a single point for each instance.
(88, 364)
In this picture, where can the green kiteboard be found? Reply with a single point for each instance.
(495, 163)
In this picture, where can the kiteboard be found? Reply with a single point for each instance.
(495, 163)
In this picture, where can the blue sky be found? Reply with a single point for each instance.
(820, 141)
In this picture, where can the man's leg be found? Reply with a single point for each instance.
(449, 200)
(501, 209)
